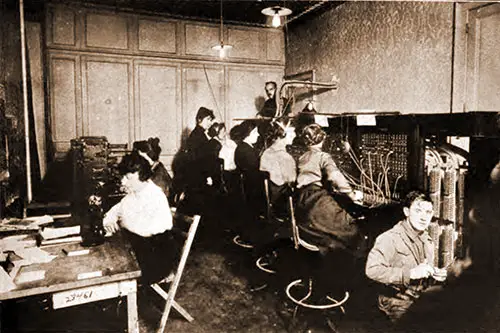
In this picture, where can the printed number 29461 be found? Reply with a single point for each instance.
(76, 296)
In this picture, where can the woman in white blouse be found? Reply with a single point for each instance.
(144, 216)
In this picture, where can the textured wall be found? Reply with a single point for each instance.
(388, 56)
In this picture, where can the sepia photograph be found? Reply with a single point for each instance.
(261, 166)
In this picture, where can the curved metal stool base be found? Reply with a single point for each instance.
(237, 241)
(302, 302)
(262, 266)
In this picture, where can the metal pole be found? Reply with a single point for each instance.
(25, 103)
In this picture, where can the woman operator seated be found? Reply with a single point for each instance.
(318, 181)
(144, 216)
(279, 164)
(150, 149)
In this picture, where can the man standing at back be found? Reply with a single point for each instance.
(270, 105)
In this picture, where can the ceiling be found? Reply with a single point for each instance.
(246, 12)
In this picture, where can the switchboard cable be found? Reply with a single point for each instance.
(394, 191)
(430, 160)
(437, 159)
(370, 188)
(385, 170)
(377, 190)
(370, 170)
(365, 189)
(387, 186)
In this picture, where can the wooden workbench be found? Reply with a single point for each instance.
(74, 280)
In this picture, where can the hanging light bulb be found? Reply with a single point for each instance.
(221, 47)
(276, 20)
(276, 12)
(222, 52)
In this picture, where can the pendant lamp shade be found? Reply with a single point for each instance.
(276, 12)
(221, 47)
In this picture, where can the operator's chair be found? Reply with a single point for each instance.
(279, 227)
(309, 246)
(252, 202)
(181, 224)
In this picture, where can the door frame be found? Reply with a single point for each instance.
(464, 94)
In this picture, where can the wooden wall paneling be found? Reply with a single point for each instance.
(200, 38)
(245, 90)
(98, 29)
(108, 98)
(157, 36)
(247, 43)
(104, 30)
(132, 34)
(202, 86)
(157, 109)
(180, 39)
(275, 46)
(65, 92)
(62, 23)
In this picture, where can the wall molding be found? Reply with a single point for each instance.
(72, 22)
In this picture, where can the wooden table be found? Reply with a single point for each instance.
(109, 270)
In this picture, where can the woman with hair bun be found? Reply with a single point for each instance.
(144, 217)
(246, 156)
(318, 177)
(217, 134)
(247, 161)
(214, 164)
(150, 149)
(279, 164)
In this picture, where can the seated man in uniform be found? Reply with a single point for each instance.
(402, 258)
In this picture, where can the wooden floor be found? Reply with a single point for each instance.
(218, 289)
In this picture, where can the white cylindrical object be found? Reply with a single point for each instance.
(29, 194)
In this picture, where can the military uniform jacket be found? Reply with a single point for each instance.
(394, 254)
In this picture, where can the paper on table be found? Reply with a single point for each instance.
(6, 227)
(40, 220)
(30, 276)
(6, 283)
(89, 275)
(76, 252)
(13, 243)
(51, 233)
(35, 255)
(73, 239)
